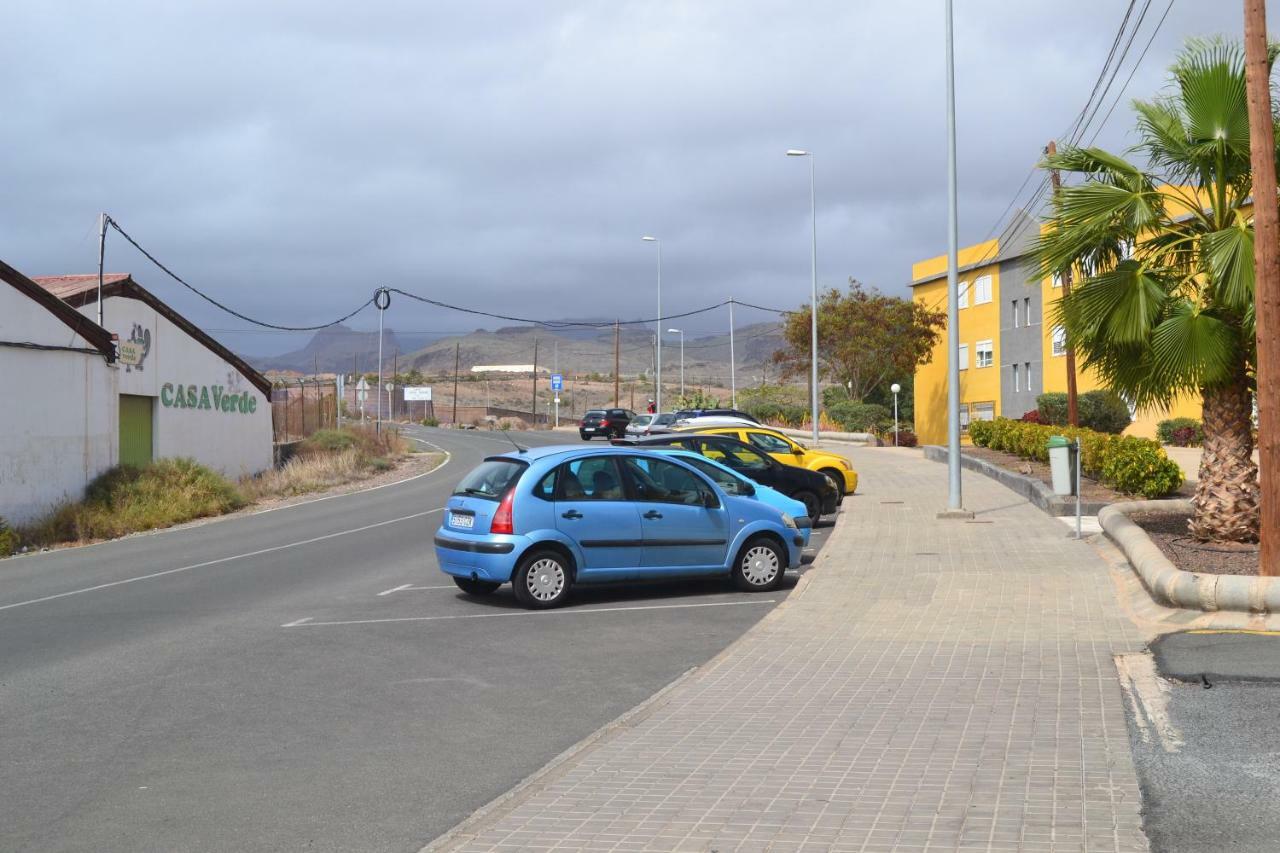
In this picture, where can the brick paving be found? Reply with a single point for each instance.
(932, 685)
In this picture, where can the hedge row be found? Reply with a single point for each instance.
(1132, 466)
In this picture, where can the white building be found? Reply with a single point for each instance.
(166, 390)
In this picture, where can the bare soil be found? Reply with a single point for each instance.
(1169, 532)
(1091, 489)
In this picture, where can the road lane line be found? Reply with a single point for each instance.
(258, 553)
(408, 587)
(308, 623)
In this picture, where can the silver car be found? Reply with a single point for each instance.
(635, 429)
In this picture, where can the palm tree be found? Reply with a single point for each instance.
(1163, 257)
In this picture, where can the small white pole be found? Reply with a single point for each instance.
(1078, 533)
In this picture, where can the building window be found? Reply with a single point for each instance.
(1016, 386)
(964, 357)
(1057, 279)
(982, 290)
(984, 353)
(964, 418)
(1059, 340)
(1026, 304)
(984, 411)
(963, 289)
(1028, 373)
(1015, 313)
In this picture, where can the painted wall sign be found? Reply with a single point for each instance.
(414, 393)
(211, 397)
(134, 351)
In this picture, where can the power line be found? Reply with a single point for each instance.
(1115, 72)
(1132, 71)
(215, 302)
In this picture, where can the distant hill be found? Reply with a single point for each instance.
(339, 349)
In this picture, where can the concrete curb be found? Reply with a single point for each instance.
(492, 811)
(1172, 586)
(831, 435)
(1028, 487)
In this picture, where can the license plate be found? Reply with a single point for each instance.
(466, 522)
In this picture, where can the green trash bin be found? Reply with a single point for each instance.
(1062, 464)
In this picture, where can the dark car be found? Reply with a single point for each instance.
(610, 423)
(685, 414)
(815, 490)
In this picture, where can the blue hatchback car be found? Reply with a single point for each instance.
(551, 517)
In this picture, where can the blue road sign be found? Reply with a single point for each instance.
(557, 382)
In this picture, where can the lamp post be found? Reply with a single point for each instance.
(895, 388)
(813, 296)
(681, 333)
(955, 504)
(657, 368)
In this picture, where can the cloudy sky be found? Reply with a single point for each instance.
(291, 156)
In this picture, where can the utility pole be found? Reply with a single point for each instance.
(382, 310)
(955, 504)
(1073, 410)
(102, 253)
(395, 371)
(733, 376)
(533, 407)
(1266, 259)
(617, 398)
(457, 351)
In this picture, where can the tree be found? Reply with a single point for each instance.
(1164, 298)
(865, 339)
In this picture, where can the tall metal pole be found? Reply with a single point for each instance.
(617, 399)
(1266, 257)
(1073, 405)
(733, 379)
(381, 312)
(657, 367)
(954, 501)
(555, 368)
(457, 354)
(813, 311)
(533, 406)
(102, 251)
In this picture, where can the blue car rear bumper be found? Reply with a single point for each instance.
(491, 558)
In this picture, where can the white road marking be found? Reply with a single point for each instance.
(308, 623)
(258, 553)
(408, 587)
(1148, 694)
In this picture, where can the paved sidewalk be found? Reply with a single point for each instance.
(933, 685)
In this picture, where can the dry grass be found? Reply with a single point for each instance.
(329, 458)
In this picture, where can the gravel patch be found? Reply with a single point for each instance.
(1169, 532)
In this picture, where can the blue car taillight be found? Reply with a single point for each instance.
(503, 521)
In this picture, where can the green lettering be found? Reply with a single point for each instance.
(166, 394)
(204, 397)
(217, 398)
(253, 403)
(244, 402)
(191, 397)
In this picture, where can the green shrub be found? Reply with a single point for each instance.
(860, 417)
(778, 413)
(330, 440)
(127, 499)
(834, 395)
(1052, 407)
(1130, 465)
(431, 422)
(8, 539)
(1104, 411)
(1165, 432)
(696, 399)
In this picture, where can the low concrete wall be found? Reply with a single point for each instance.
(1172, 586)
(1028, 487)
(832, 435)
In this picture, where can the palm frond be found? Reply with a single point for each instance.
(1228, 254)
(1120, 306)
(1194, 349)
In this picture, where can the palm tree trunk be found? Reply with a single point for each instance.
(1226, 500)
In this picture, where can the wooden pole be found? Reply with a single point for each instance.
(457, 349)
(1266, 259)
(1073, 409)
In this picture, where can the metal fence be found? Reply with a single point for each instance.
(300, 408)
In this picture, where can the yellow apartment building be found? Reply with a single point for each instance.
(1009, 353)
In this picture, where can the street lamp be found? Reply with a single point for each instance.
(895, 388)
(657, 368)
(813, 310)
(681, 333)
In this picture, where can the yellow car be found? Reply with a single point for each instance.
(790, 452)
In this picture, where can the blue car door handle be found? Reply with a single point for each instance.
(653, 513)
(573, 513)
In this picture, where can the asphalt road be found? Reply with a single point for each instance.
(1211, 781)
(305, 678)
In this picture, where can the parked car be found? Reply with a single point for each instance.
(791, 452)
(548, 518)
(661, 423)
(685, 414)
(708, 421)
(610, 423)
(737, 484)
(818, 492)
(635, 429)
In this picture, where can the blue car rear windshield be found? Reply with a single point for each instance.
(490, 479)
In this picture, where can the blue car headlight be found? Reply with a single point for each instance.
(789, 521)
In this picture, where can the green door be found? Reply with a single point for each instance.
(135, 429)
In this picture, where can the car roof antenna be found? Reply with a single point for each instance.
(513, 441)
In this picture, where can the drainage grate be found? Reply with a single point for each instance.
(891, 502)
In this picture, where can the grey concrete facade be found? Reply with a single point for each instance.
(1021, 354)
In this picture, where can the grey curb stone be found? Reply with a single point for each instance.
(1172, 586)
(831, 435)
(1028, 487)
